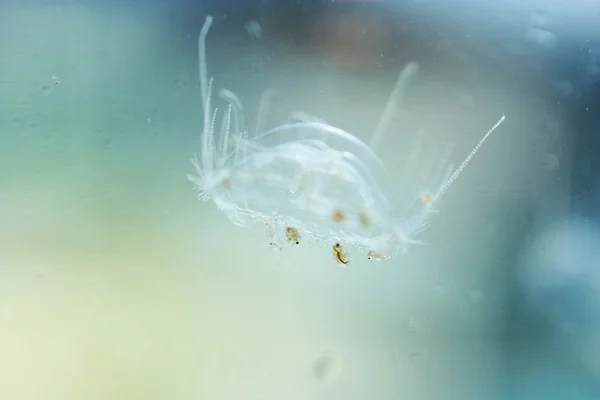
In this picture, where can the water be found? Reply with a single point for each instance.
(116, 283)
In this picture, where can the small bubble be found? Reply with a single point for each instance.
(253, 28)
(412, 324)
(594, 53)
(550, 161)
(328, 367)
(541, 37)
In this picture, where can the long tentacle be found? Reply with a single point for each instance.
(205, 88)
(446, 185)
(239, 124)
(392, 105)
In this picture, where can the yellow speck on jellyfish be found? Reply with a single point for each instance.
(312, 180)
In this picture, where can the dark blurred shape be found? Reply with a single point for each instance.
(352, 38)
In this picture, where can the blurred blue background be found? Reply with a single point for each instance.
(115, 282)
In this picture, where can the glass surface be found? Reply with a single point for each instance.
(117, 282)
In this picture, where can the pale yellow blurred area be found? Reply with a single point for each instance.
(115, 283)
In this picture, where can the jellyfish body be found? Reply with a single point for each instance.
(310, 178)
(327, 192)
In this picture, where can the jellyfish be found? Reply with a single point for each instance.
(309, 181)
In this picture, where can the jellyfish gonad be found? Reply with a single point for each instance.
(307, 180)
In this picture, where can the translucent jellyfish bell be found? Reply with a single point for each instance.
(320, 180)
(308, 180)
